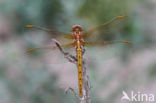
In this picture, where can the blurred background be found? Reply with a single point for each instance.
(42, 77)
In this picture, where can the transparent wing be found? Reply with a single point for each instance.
(103, 26)
(50, 47)
(104, 43)
(53, 32)
(50, 54)
(102, 53)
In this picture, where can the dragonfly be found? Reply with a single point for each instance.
(79, 36)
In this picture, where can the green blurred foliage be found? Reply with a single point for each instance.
(38, 12)
(100, 11)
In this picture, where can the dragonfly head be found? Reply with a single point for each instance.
(76, 28)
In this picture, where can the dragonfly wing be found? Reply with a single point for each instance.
(53, 32)
(51, 54)
(105, 43)
(89, 32)
(50, 47)
(42, 48)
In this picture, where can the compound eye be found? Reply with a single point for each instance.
(76, 28)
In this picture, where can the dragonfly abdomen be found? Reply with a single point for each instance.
(79, 66)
